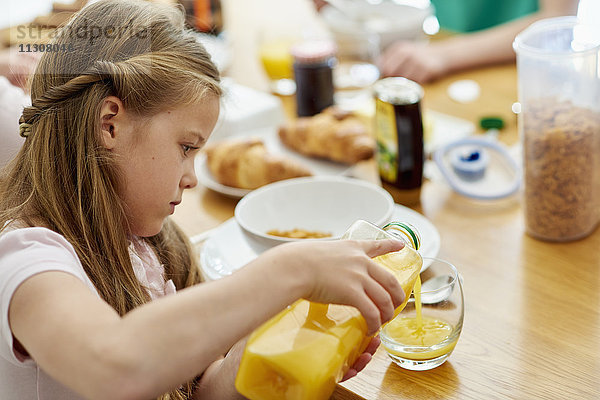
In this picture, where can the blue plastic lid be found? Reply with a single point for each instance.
(479, 168)
(469, 163)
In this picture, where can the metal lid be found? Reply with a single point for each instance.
(313, 52)
(398, 91)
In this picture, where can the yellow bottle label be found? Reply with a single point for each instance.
(387, 140)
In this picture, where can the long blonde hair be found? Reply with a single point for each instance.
(63, 178)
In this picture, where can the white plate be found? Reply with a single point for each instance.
(206, 179)
(274, 145)
(227, 250)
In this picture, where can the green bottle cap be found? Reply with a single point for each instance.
(404, 230)
(491, 123)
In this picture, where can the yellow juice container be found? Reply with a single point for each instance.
(302, 352)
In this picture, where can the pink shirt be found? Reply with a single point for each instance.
(148, 270)
(12, 102)
(26, 252)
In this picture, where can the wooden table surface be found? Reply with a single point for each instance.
(532, 320)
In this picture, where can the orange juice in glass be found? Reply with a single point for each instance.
(277, 61)
(425, 333)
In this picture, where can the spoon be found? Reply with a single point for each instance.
(430, 289)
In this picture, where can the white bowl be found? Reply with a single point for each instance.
(390, 20)
(328, 204)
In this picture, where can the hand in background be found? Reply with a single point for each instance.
(17, 66)
(421, 63)
(426, 62)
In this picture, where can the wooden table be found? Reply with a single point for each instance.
(532, 320)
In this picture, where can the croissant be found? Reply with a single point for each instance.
(333, 134)
(245, 163)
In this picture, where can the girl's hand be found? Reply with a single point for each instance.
(218, 380)
(362, 360)
(421, 63)
(343, 272)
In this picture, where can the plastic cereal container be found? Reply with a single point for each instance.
(559, 127)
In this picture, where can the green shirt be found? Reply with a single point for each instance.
(473, 15)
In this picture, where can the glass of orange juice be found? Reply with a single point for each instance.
(274, 51)
(425, 333)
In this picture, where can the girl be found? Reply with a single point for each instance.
(119, 111)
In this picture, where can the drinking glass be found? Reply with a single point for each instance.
(424, 346)
(274, 50)
(356, 70)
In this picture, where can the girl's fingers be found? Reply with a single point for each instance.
(380, 298)
(370, 313)
(374, 248)
(350, 374)
(389, 282)
(361, 362)
(373, 345)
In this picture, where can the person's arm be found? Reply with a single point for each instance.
(83, 343)
(424, 63)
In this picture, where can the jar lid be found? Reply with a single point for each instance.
(398, 91)
(313, 52)
(469, 163)
(479, 168)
